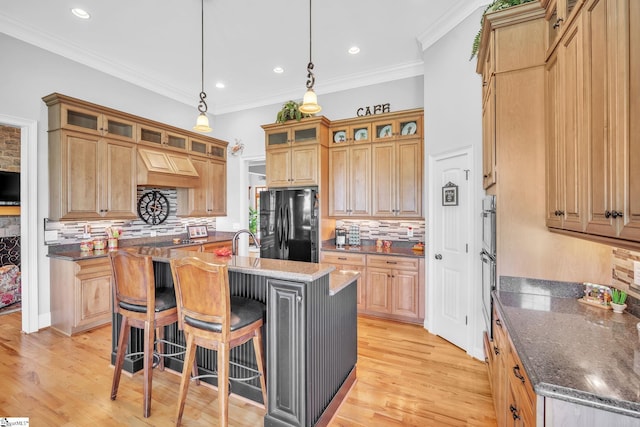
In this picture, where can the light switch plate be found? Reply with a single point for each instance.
(636, 272)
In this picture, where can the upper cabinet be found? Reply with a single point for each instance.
(593, 147)
(347, 132)
(559, 14)
(98, 157)
(296, 152)
(397, 128)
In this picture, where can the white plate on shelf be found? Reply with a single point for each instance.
(361, 134)
(386, 132)
(409, 128)
(340, 136)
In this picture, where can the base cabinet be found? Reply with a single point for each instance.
(350, 262)
(80, 294)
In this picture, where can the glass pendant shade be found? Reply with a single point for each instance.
(310, 103)
(202, 123)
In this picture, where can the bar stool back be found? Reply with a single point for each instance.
(143, 306)
(213, 319)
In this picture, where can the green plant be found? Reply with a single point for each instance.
(253, 220)
(290, 111)
(618, 296)
(493, 6)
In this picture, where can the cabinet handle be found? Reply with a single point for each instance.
(498, 322)
(557, 23)
(496, 350)
(516, 372)
(392, 262)
(514, 412)
(342, 258)
(485, 175)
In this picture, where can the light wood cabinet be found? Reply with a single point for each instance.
(396, 128)
(157, 136)
(489, 135)
(296, 153)
(80, 294)
(212, 247)
(87, 120)
(91, 177)
(397, 179)
(513, 395)
(393, 287)
(564, 134)
(349, 132)
(350, 180)
(349, 262)
(209, 196)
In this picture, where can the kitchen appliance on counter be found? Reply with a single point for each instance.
(488, 257)
(289, 224)
(341, 237)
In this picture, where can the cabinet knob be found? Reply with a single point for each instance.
(607, 214)
(557, 24)
(485, 175)
(617, 214)
(496, 350)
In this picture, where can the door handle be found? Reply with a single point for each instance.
(438, 256)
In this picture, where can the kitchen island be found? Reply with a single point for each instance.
(310, 334)
(583, 361)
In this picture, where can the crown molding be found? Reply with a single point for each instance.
(449, 21)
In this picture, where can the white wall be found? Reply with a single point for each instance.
(453, 120)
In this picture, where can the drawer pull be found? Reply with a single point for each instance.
(514, 412)
(342, 258)
(516, 372)
(496, 350)
(392, 262)
(498, 322)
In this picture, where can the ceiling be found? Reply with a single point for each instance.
(156, 43)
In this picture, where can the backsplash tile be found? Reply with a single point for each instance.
(623, 270)
(9, 226)
(72, 231)
(395, 230)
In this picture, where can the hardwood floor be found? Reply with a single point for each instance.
(406, 377)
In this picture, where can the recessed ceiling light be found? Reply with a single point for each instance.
(354, 50)
(220, 85)
(278, 70)
(80, 13)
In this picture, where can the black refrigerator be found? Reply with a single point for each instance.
(289, 224)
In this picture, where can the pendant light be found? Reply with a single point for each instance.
(202, 123)
(310, 100)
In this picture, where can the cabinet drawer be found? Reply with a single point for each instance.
(343, 258)
(521, 383)
(393, 262)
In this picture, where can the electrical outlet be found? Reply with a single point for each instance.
(636, 272)
(409, 231)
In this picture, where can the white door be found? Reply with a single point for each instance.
(450, 258)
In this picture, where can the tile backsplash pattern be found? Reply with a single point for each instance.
(72, 231)
(395, 230)
(623, 270)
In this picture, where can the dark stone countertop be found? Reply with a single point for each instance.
(394, 250)
(572, 351)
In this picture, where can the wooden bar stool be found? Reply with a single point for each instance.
(143, 306)
(213, 319)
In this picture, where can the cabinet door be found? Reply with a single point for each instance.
(405, 293)
(93, 300)
(631, 156)
(339, 187)
(553, 146)
(304, 165)
(80, 170)
(600, 71)
(118, 181)
(383, 184)
(218, 189)
(119, 128)
(360, 180)
(489, 136)
(378, 290)
(212, 247)
(198, 203)
(278, 167)
(408, 170)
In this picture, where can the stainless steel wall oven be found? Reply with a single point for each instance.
(488, 256)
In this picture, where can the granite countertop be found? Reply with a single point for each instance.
(394, 250)
(572, 351)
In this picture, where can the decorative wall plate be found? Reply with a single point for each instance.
(339, 136)
(361, 134)
(409, 128)
(385, 132)
(153, 207)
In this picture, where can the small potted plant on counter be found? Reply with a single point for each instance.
(618, 297)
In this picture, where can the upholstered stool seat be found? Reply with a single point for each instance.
(211, 318)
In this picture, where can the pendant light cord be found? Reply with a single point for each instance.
(310, 77)
(202, 105)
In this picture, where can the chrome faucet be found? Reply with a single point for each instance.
(234, 240)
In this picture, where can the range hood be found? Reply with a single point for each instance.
(166, 169)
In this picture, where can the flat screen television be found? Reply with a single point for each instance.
(9, 188)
